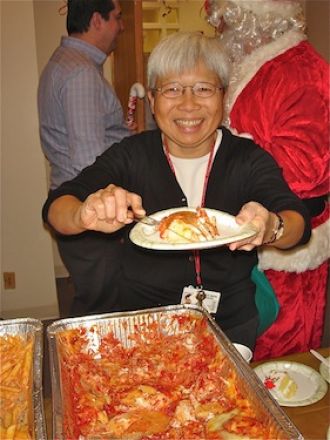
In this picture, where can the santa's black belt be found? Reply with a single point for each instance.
(315, 205)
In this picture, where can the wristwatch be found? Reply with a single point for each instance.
(277, 231)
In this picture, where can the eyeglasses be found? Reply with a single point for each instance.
(200, 89)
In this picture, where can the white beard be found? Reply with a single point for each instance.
(246, 29)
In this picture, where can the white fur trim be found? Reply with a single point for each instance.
(245, 70)
(282, 8)
(302, 258)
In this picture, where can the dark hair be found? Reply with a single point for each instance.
(80, 13)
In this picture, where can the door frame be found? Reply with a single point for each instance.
(128, 58)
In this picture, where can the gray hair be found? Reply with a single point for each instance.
(182, 51)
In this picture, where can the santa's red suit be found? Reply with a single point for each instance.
(279, 94)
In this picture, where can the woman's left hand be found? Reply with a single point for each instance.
(261, 218)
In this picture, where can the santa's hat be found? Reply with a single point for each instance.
(283, 8)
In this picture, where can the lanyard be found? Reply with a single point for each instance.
(197, 257)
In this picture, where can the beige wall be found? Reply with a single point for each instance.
(25, 246)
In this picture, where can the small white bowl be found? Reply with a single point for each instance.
(244, 351)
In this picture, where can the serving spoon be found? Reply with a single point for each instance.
(321, 358)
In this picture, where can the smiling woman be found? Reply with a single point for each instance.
(188, 112)
(201, 165)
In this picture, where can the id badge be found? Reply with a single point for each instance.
(208, 299)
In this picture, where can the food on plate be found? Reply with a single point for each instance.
(16, 416)
(282, 383)
(188, 226)
(156, 385)
(287, 386)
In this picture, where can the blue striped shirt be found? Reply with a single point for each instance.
(80, 115)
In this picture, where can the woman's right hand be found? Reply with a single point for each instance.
(110, 209)
(107, 210)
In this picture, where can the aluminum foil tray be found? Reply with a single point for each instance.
(28, 328)
(122, 325)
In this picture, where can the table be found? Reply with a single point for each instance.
(313, 420)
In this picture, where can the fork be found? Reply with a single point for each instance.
(147, 220)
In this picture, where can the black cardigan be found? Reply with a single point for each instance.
(241, 172)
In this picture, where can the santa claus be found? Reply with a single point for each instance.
(279, 94)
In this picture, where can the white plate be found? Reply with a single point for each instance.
(148, 237)
(311, 387)
(325, 371)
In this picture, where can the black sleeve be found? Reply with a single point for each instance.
(246, 172)
(127, 164)
(267, 186)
